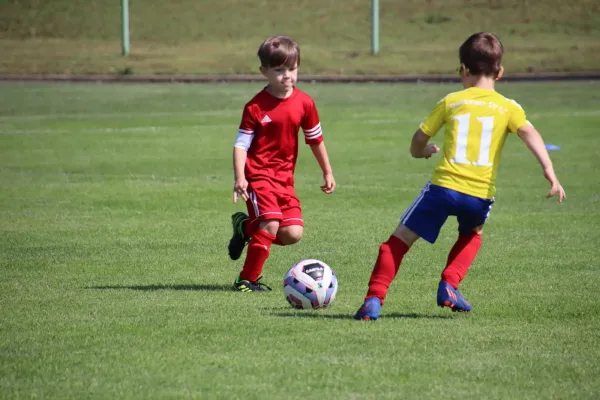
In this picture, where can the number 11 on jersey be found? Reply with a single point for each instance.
(464, 122)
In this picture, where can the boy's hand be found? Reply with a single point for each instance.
(430, 149)
(329, 185)
(240, 188)
(555, 186)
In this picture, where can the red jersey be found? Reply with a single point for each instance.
(269, 133)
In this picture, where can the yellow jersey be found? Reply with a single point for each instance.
(477, 122)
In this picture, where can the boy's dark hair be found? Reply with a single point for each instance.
(482, 54)
(279, 50)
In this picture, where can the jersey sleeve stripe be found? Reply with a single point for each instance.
(243, 141)
(314, 135)
(246, 131)
(314, 129)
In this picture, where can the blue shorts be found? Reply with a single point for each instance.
(428, 213)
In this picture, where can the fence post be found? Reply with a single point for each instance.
(374, 27)
(125, 27)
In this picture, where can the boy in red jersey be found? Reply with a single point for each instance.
(477, 122)
(264, 159)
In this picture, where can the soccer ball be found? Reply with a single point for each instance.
(310, 284)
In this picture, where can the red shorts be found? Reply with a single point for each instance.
(270, 201)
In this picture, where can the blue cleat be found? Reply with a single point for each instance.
(447, 296)
(370, 309)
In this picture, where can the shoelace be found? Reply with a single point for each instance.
(262, 284)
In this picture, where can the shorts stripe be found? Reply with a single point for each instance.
(273, 214)
(415, 203)
(489, 209)
(293, 219)
(268, 213)
(254, 202)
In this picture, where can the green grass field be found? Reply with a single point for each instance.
(115, 204)
(222, 37)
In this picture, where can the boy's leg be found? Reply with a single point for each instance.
(262, 227)
(424, 218)
(258, 252)
(262, 200)
(291, 227)
(386, 267)
(288, 235)
(473, 214)
(388, 261)
(461, 258)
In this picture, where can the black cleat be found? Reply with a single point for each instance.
(249, 286)
(238, 239)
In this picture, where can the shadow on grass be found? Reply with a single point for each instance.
(325, 315)
(149, 288)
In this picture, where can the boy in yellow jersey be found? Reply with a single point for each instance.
(476, 121)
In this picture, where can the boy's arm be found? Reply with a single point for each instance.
(242, 144)
(320, 153)
(536, 145)
(241, 184)
(419, 147)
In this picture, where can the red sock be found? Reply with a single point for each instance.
(460, 258)
(386, 267)
(278, 242)
(258, 252)
(247, 228)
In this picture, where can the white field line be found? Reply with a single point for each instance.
(119, 115)
(138, 129)
(131, 129)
